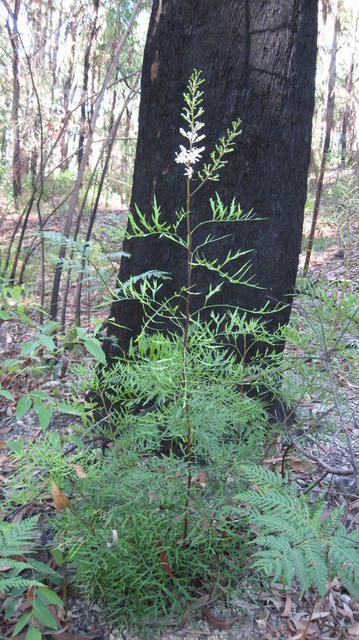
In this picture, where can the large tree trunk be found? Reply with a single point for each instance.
(258, 59)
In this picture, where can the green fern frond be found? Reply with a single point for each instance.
(294, 539)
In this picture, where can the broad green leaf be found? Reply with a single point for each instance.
(29, 348)
(21, 623)
(76, 440)
(33, 634)
(58, 556)
(43, 615)
(17, 446)
(42, 567)
(68, 409)
(93, 346)
(44, 413)
(6, 394)
(39, 395)
(4, 315)
(47, 342)
(15, 293)
(48, 596)
(23, 406)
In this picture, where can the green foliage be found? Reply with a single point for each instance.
(22, 572)
(165, 490)
(295, 539)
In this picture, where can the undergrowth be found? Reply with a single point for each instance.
(163, 497)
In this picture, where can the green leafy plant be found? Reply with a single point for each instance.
(23, 574)
(295, 539)
(155, 523)
(160, 506)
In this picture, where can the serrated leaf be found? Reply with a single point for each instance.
(47, 342)
(44, 413)
(48, 596)
(93, 346)
(42, 568)
(58, 556)
(4, 315)
(29, 347)
(21, 623)
(17, 446)
(7, 395)
(69, 409)
(43, 615)
(38, 394)
(33, 634)
(23, 406)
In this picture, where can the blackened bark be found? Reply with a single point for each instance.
(258, 59)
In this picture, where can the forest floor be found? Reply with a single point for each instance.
(276, 614)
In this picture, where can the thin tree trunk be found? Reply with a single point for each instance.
(349, 97)
(124, 159)
(97, 201)
(16, 154)
(54, 52)
(83, 164)
(67, 94)
(326, 146)
(85, 81)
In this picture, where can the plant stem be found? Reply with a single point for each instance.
(306, 629)
(184, 373)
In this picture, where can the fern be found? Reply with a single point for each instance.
(17, 540)
(294, 539)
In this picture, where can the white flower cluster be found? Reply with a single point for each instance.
(192, 155)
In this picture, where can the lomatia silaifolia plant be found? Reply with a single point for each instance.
(156, 527)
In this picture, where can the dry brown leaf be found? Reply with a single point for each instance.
(287, 607)
(79, 471)
(201, 477)
(30, 593)
(3, 444)
(164, 560)
(61, 502)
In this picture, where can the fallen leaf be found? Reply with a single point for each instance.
(287, 607)
(201, 477)
(30, 593)
(3, 444)
(164, 560)
(61, 502)
(79, 471)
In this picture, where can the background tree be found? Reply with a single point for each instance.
(259, 63)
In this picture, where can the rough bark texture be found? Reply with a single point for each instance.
(258, 59)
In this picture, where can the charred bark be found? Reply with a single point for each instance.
(258, 59)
